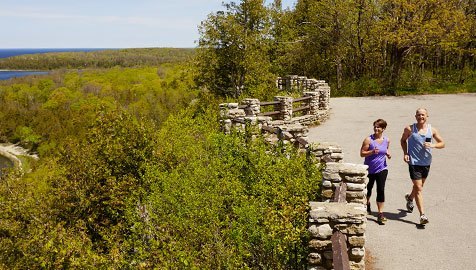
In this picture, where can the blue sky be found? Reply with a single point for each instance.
(104, 23)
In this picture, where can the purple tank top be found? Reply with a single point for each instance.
(378, 162)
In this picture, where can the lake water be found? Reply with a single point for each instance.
(4, 53)
(14, 52)
(8, 74)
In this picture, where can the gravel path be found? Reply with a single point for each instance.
(449, 240)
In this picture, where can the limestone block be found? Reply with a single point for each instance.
(320, 244)
(354, 194)
(321, 232)
(354, 169)
(338, 212)
(357, 253)
(228, 105)
(357, 265)
(327, 184)
(355, 179)
(358, 200)
(328, 193)
(332, 167)
(337, 156)
(332, 146)
(356, 187)
(352, 229)
(332, 176)
(232, 113)
(314, 258)
(357, 241)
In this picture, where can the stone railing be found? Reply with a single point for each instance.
(288, 114)
(299, 83)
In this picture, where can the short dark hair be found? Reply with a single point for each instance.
(380, 123)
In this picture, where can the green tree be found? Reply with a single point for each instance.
(335, 38)
(407, 27)
(233, 54)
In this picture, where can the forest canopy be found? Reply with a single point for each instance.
(361, 47)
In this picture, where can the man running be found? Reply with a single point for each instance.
(417, 142)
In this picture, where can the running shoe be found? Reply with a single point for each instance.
(369, 211)
(410, 205)
(423, 219)
(381, 219)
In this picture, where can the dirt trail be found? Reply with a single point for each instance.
(448, 241)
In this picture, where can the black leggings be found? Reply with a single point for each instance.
(380, 178)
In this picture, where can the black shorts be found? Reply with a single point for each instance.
(418, 172)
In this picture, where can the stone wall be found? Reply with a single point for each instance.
(316, 96)
(354, 175)
(303, 84)
(325, 218)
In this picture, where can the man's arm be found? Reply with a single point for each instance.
(440, 143)
(403, 142)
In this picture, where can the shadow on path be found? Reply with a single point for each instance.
(397, 217)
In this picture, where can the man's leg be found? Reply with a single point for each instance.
(417, 193)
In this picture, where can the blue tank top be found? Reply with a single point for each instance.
(378, 162)
(419, 155)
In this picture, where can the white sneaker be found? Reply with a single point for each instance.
(423, 219)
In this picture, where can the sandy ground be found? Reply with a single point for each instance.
(449, 240)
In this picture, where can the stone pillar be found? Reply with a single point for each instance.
(311, 85)
(324, 219)
(355, 177)
(291, 82)
(313, 102)
(252, 106)
(285, 106)
(324, 96)
(281, 83)
(301, 83)
(229, 112)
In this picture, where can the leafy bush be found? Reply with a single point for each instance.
(221, 201)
